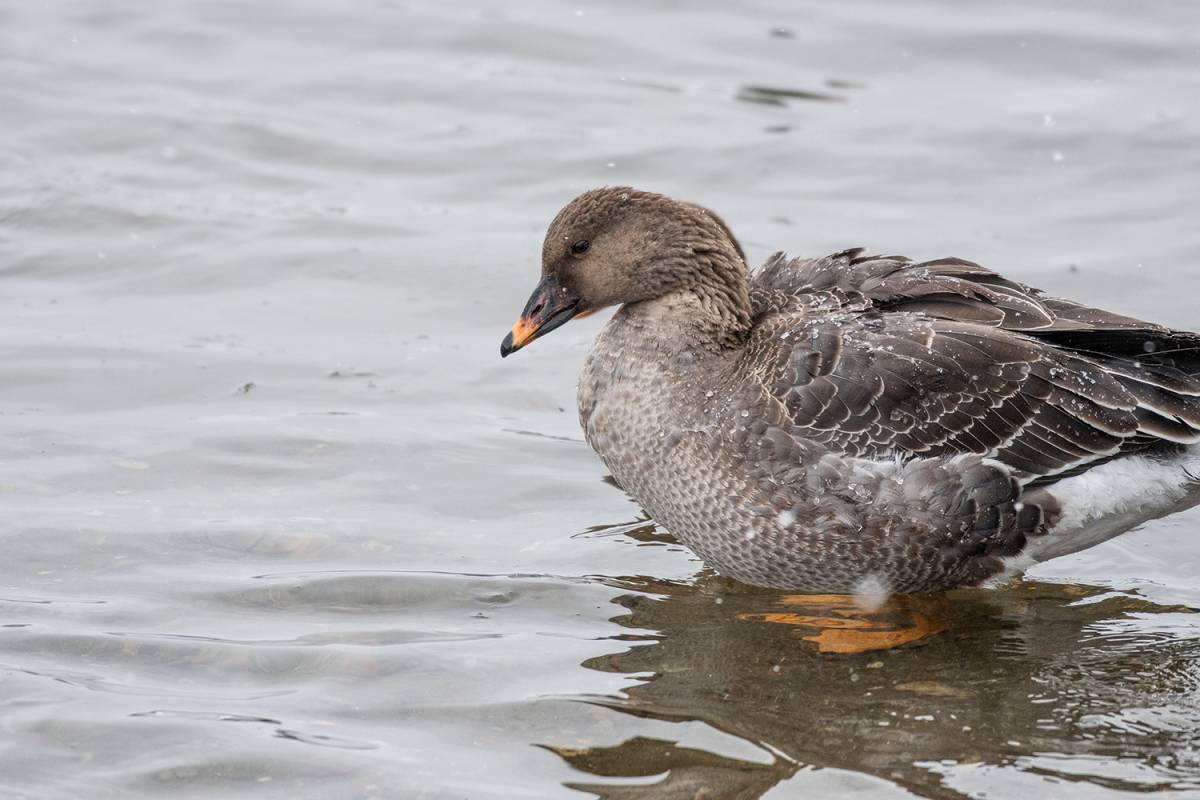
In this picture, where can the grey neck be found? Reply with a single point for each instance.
(689, 319)
(716, 307)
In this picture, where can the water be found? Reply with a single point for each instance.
(278, 521)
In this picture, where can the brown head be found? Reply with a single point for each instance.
(617, 245)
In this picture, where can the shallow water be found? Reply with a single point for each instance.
(278, 522)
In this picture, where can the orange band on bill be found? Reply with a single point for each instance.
(522, 331)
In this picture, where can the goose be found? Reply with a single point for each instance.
(858, 422)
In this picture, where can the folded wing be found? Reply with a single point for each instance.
(876, 356)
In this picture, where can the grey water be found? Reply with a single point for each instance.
(276, 521)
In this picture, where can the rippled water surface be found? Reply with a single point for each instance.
(279, 523)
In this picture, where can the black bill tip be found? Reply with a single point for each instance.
(506, 347)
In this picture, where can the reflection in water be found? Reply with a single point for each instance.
(772, 96)
(1060, 683)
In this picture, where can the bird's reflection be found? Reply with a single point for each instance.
(1065, 682)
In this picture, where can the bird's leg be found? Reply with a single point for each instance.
(843, 624)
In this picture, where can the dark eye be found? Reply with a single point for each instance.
(580, 247)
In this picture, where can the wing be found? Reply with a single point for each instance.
(948, 288)
(878, 356)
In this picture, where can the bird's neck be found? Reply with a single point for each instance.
(711, 312)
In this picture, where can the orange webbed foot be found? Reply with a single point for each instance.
(843, 624)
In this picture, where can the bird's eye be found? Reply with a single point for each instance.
(580, 247)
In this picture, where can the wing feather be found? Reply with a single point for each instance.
(879, 355)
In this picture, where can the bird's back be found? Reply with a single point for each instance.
(883, 355)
